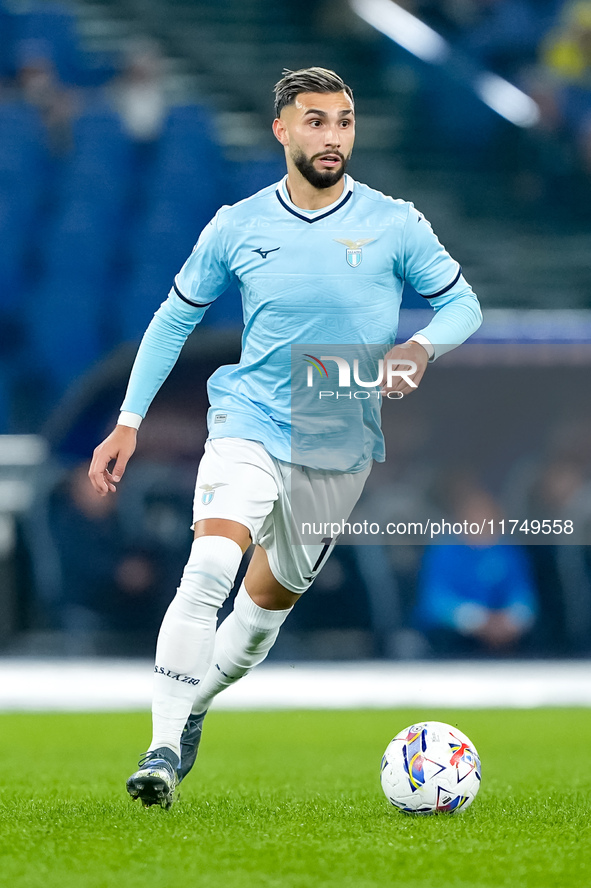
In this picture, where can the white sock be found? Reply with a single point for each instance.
(186, 641)
(242, 642)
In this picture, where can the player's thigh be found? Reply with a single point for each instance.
(235, 491)
(232, 530)
(297, 556)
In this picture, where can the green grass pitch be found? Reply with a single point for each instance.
(292, 799)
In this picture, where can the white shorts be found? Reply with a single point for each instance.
(240, 481)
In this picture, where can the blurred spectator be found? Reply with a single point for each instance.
(396, 491)
(558, 488)
(138, 96)
(40, 87)
(564, 467)
(106, 583)
(138, 93)
(477, 597)
(567, 50)
(566, 55)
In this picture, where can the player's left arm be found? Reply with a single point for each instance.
(433, 273)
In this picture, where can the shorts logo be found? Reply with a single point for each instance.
(354, 254)
(209, 491)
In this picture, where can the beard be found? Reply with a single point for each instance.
(319, 178)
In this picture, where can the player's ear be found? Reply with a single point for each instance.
(280, 131)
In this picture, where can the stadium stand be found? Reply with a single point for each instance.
(95, 221)
(23, 169)
(133, 211)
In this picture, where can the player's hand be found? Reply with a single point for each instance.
(120, 445)
(408, 361)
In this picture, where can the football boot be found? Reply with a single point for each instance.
(190, 740)
(155, 781)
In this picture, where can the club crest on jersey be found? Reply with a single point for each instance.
(354, 254)
(209, 491)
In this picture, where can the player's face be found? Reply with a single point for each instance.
(318, 132)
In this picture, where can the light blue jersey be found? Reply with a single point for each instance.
(333, 275)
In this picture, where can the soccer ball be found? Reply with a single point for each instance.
(430, 768)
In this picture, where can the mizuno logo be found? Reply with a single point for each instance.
(265, 253)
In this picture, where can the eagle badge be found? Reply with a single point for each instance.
(209, 491)
(354, 254)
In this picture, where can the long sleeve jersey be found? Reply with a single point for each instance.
(310, 281)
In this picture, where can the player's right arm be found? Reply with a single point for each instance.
(202, 279)
(157, 355)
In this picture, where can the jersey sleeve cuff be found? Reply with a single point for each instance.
(428, 346)
(132, 420)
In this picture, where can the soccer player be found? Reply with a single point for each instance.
(319, 258)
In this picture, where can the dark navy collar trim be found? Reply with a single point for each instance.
(314, 218)
(445, 289)
(188, 301)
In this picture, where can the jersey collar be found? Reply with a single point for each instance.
(314, 215)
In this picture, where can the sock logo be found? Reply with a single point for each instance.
(229, 677)
(177, 676)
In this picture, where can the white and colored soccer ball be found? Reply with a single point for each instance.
(430, 768)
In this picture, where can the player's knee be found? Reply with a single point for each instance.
(210, 571)
(259, 623)
(275, 599)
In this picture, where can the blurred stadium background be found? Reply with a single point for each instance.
(124, 125)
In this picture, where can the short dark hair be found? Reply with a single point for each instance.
(307, 80)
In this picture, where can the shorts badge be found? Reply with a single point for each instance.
(209, 491)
